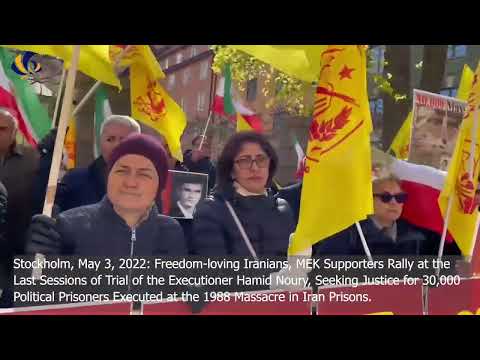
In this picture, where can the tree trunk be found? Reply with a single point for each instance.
(434, 59)
(395, 112)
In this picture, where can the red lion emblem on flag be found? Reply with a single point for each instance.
(153, 103)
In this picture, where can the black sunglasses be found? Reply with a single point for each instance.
(387, 197)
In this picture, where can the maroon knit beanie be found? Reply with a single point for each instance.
(147, 146)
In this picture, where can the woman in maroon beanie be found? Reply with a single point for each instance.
(126, 221)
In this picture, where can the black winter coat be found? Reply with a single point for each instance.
(203, 166)
(97, 230)
(267, 220)
(82, 186)
(292, 194)
(410, 241)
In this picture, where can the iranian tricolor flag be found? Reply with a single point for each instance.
(235, 111)
(102, 111)
(18, 96)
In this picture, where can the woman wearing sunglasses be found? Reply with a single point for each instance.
(243, 218)
(385, 232)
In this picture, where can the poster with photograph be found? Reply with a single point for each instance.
(187, 190)
(436, 122)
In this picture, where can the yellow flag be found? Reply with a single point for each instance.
(70, 144)
(94, 59)
(242, 124)
(152, 106)
(401, 144)
(465, 83)
(462, 178)
(140, 54)
(299, 61)
(337, 185)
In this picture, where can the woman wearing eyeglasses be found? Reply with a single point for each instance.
(243, 218)
(385, 232)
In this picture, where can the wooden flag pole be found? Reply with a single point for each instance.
(59, 95)
(364, 241)
(58, 149)
(62, 128)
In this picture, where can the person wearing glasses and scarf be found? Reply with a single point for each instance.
(385, 232)
(245, 170)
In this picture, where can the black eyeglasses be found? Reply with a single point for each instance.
(245, 163)
(386, 197)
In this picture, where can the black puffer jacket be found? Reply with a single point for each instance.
(267, 220)
(410, 241)
(97, 230)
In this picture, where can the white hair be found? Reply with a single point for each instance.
(8, 114)
(121, 119)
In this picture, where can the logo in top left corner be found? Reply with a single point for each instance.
(25, 66)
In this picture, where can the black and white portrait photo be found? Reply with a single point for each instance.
(188, 189)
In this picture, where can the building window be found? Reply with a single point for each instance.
(186, 76)
(251, 90)
(456, 51)
(194, 51)
(377, 60)
(204, 70)
(452, 92)
(201, 102)
(179, 57)
(171, 81)
(376, 107)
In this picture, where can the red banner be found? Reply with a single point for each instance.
(462, 299)
(73, 309)
(371, 299)
(284, 303)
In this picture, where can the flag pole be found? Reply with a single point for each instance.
(205, 130)
(446, 219)
(94, 88)
(65, 115)
(58, 149)
(210, 113)
(87, 96)
(364, 241)
(444, 230)
(59, 95)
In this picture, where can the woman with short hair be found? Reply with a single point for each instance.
(243, 218)
(385, 232)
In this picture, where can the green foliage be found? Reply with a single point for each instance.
(283, 91)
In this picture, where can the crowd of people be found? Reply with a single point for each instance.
(114, 206)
